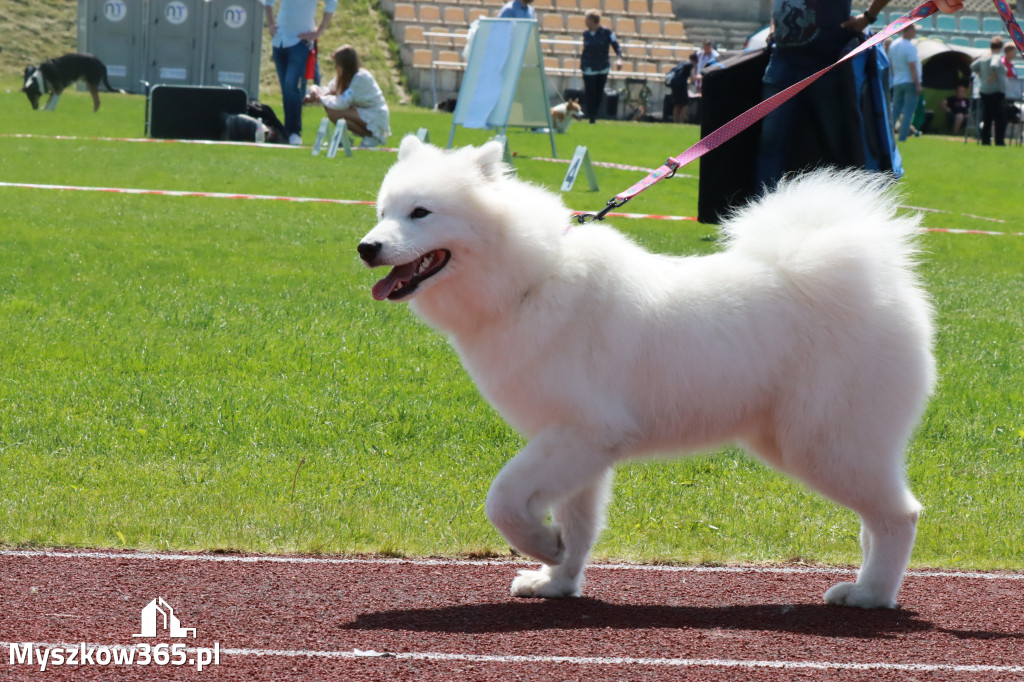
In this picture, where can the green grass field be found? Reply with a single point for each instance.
(198, 373)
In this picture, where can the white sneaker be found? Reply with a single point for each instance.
(295, 139)
(370, 142)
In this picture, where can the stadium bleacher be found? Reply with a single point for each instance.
(432, 34)
(974, 26)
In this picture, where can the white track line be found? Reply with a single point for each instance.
(511, 563)
(669, 662)
(357, 654)
(161, 140)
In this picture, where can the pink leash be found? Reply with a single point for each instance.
(755, 114)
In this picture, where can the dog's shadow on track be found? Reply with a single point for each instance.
(591, 614)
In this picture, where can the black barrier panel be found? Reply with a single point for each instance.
(183, 112)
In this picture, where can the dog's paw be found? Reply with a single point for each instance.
(861, 596)
(544, 584)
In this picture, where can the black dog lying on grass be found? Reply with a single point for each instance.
(53, 75)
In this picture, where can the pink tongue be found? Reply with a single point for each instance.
(398, 275)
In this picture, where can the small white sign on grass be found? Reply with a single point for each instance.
(580, 160)
(321, 133)
(340, 137)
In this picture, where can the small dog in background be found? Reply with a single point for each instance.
(244, 128)
(563, 114)
(53, 75)
(447, 105)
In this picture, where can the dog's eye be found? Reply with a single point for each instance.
(419, 212)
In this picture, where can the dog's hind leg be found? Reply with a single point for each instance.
(561, 469)
(94, 90)
(878, 493)
(887, 538)
(581, 519)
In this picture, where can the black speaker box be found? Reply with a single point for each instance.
(727, 173)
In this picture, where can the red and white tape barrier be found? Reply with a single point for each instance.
(601, 164)
(367, 202)
(177, 193)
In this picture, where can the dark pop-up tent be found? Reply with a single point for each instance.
(945, 66)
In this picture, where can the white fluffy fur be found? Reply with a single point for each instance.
(807, 340)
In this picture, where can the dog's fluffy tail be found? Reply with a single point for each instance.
(826, 221)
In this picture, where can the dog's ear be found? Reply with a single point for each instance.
(30, 78)
(490, 159)
(410, 144)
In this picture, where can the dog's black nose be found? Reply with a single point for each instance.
(369, 250)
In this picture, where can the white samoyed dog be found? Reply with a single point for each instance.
(807, 340)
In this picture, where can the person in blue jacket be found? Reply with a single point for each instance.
(594, 61)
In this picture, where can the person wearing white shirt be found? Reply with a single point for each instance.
(354, 96)
(708, 55)
(905, 68)
(293, 32)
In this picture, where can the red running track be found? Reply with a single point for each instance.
(378, 619)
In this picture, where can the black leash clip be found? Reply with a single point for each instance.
(584, 218)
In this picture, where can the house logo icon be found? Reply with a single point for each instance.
(169, 622)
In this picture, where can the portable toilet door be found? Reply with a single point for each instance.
(173, 42)
(234, 35)
(114, 31)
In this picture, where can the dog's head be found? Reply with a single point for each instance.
(573, 107)
(427, 212)
(33, 87)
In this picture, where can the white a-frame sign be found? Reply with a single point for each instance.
(504, 83)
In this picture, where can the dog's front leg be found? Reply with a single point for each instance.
(51, 102)
(567, 473)
(580, 518)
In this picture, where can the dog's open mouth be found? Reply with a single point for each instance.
(403, 279)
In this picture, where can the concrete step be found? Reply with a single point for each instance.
(728, 35)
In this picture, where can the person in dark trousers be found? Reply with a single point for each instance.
(293, 32)
(991, 73)
(679, 83)
(594, 61)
